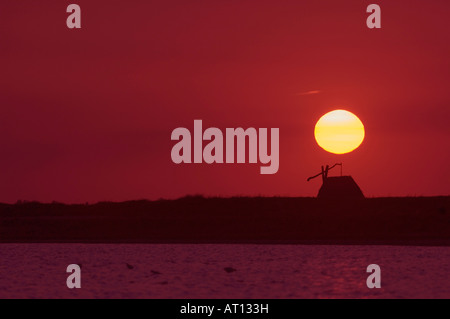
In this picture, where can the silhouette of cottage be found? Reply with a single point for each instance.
(337, 187)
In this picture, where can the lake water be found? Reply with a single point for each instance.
(198, 271)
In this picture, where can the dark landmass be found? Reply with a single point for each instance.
(194, 219)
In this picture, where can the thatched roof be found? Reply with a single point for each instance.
(340, 187)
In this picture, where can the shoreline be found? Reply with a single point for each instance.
(416, 243)
(409, 221)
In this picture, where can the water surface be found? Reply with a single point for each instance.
(198, 271)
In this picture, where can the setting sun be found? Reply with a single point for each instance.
(339, 132)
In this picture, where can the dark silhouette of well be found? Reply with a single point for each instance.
(339, 187)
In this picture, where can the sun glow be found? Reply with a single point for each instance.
(339, 132)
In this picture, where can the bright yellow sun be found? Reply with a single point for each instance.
(339, 132)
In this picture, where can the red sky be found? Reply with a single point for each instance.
(86, 115)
